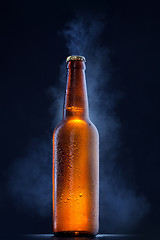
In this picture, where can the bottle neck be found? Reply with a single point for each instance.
(76, 100)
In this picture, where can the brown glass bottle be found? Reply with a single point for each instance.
(75, 160)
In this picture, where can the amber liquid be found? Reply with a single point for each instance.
(75, 162)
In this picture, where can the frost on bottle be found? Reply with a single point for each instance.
(75, 160)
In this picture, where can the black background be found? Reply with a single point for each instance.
(31, 51)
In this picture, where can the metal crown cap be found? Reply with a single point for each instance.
(73, 57)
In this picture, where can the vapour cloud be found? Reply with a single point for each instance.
(121, 209)
(30, 179)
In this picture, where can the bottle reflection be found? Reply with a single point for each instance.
(75, 238)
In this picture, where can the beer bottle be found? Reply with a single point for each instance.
(75, 160)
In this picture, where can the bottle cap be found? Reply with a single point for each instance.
(73, 57)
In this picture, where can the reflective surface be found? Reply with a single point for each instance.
(98, 237)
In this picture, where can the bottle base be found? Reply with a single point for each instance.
(74, 233)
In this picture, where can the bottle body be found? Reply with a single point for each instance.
(75, 176)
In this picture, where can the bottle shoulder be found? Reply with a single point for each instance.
(93, 127)
(74, 124)
(58, 127)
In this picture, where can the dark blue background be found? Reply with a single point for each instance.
(31, 51)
